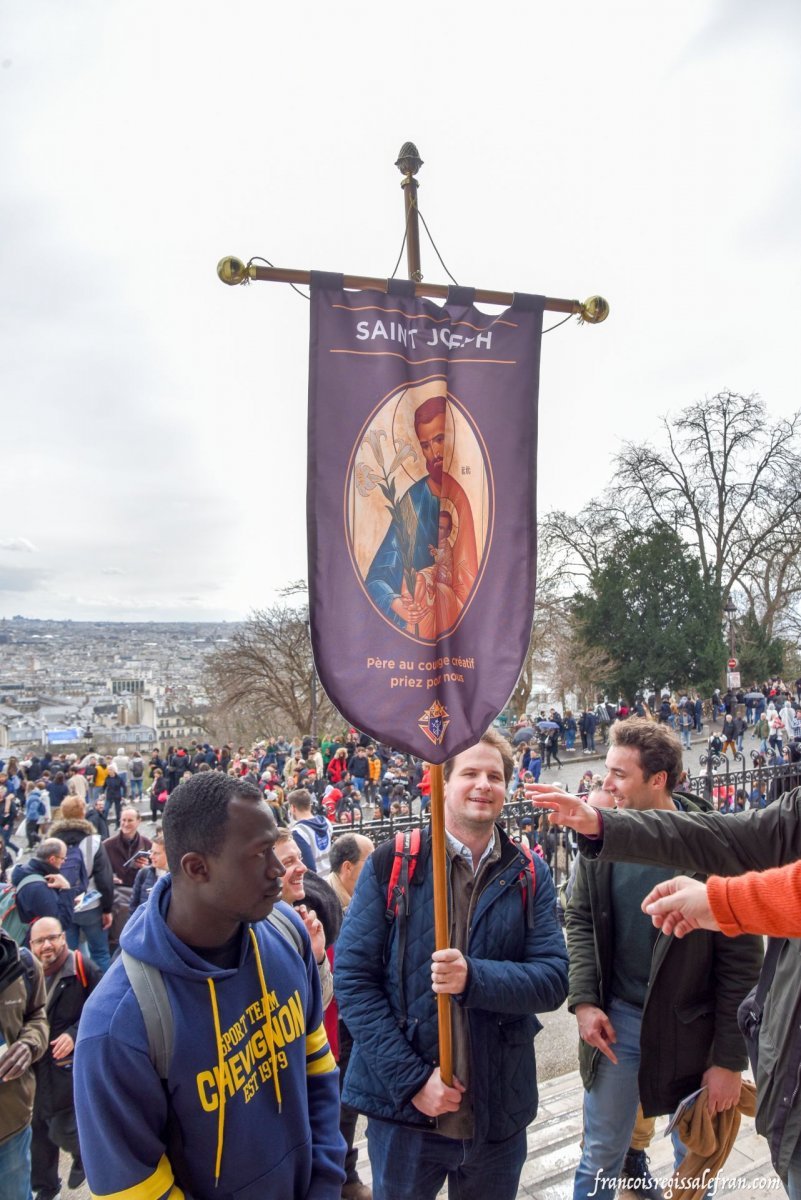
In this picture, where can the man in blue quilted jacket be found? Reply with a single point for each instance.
(507, 962)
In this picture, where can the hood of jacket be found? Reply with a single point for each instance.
(318, 824)
(71, 830)
(148, 937)
(688, 802)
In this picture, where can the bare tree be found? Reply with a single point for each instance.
(771, 582)
(548, 612)
(576, 667)
(576, 546)
(728, 479)
(265, 674)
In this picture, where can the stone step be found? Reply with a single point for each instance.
(554, 1147)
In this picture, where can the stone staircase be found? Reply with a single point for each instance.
(554, 1147)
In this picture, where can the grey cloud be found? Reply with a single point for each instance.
(18, 545)
(21, 579)
(737, 21)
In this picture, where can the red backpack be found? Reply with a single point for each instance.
(404, 865)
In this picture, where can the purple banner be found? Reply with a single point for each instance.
(421, 509)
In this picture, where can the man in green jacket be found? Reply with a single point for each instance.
(657, 1017)
(723, 845)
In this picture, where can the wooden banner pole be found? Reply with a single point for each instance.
(441, 924)
(409, 163)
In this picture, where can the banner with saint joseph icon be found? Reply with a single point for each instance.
(421, 508)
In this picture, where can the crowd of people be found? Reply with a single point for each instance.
(354, 969)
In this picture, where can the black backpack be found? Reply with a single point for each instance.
(74, 869)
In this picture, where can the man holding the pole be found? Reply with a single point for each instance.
(506, 962)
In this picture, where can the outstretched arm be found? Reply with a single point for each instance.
(564, 809)
(765, 902)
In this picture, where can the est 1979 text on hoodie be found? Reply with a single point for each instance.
(253, 1108)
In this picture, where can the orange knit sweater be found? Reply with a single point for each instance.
(759, 902)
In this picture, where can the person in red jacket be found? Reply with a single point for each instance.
(338, 766)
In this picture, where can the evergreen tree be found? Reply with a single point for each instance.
(649, 608)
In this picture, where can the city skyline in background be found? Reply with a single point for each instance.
(154, 421)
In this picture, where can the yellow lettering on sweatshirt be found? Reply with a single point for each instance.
(242, 1057)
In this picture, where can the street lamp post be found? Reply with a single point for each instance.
(730, 610)
(313, 729)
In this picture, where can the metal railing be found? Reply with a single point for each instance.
(724, 777)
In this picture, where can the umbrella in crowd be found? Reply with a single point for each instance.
(547, 724)
(754, 696)
(523, 735)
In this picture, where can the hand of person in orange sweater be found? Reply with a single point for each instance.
(679, 906)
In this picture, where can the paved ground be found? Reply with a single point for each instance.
(554, 1149)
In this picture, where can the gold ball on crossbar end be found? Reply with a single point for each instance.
(232, 271)
(594, 310)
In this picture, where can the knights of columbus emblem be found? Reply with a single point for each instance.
(434, 722)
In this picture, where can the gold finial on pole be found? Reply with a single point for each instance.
(409, 163)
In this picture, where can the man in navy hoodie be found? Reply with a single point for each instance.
(250, 1104)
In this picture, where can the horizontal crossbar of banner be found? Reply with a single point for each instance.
(233, 271)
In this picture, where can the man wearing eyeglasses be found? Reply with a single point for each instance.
(69, 980)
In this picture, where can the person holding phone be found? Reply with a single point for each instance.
(126, 849)
(149, 875)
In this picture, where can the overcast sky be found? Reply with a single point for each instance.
(153, 420)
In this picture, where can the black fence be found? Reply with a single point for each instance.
(726, 780)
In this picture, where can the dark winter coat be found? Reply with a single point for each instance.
(101, 877)
(22, 1019)
(65, 1001)
(114, 789)
(39, 900)
(146, 880)
(98, 822)
(321, 897)
(517, 967)
(121, 850)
